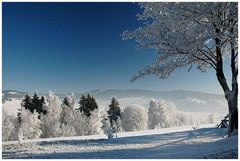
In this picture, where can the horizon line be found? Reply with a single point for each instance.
(89, 91)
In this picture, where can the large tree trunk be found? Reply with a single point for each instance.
(232, 99)
(233, 112)
(230, 95)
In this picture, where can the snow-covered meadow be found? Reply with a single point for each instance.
(61, 120)
(156, 131)
(168, 143)
(120, 123)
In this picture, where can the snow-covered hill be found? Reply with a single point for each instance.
(8, 95)
(181, 142)
(188, 101)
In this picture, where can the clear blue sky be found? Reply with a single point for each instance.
(74, 47)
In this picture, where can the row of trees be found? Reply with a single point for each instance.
(45, 118)
(87, 104)
(62, 119)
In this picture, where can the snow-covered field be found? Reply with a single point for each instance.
(178, 142)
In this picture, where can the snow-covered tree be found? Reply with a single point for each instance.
(160, 114)
(66, 121)
(66, 115)
(105, 124)
(117, 126)
(134, 118)
(85, 125)
(51, 121)
(69, 101)
(27, 103)
(67, 112)
(67, 130)
(94, 123)
(8, 128)
(187, 34)
(30, 126)
(79, 124)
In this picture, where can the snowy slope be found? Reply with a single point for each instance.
(181, 142)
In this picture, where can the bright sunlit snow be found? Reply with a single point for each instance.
(181, 142)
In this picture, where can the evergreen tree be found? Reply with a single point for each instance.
(91, 102)
(114, 112)
(69, 101)
(43, 108)
(27, 103)
(66, 102)
(87, 104)
(38, 104)
(82, 103)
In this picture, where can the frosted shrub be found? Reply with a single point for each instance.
(87, 125)
(134, 118)
(30, 125)
(160, 114)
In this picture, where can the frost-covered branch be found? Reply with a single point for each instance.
(184, 34)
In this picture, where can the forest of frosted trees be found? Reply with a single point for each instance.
(48, 117)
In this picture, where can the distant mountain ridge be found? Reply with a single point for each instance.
(184, 100)
(7, 94)
(142, 92)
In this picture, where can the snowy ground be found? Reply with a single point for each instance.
(181, 142)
